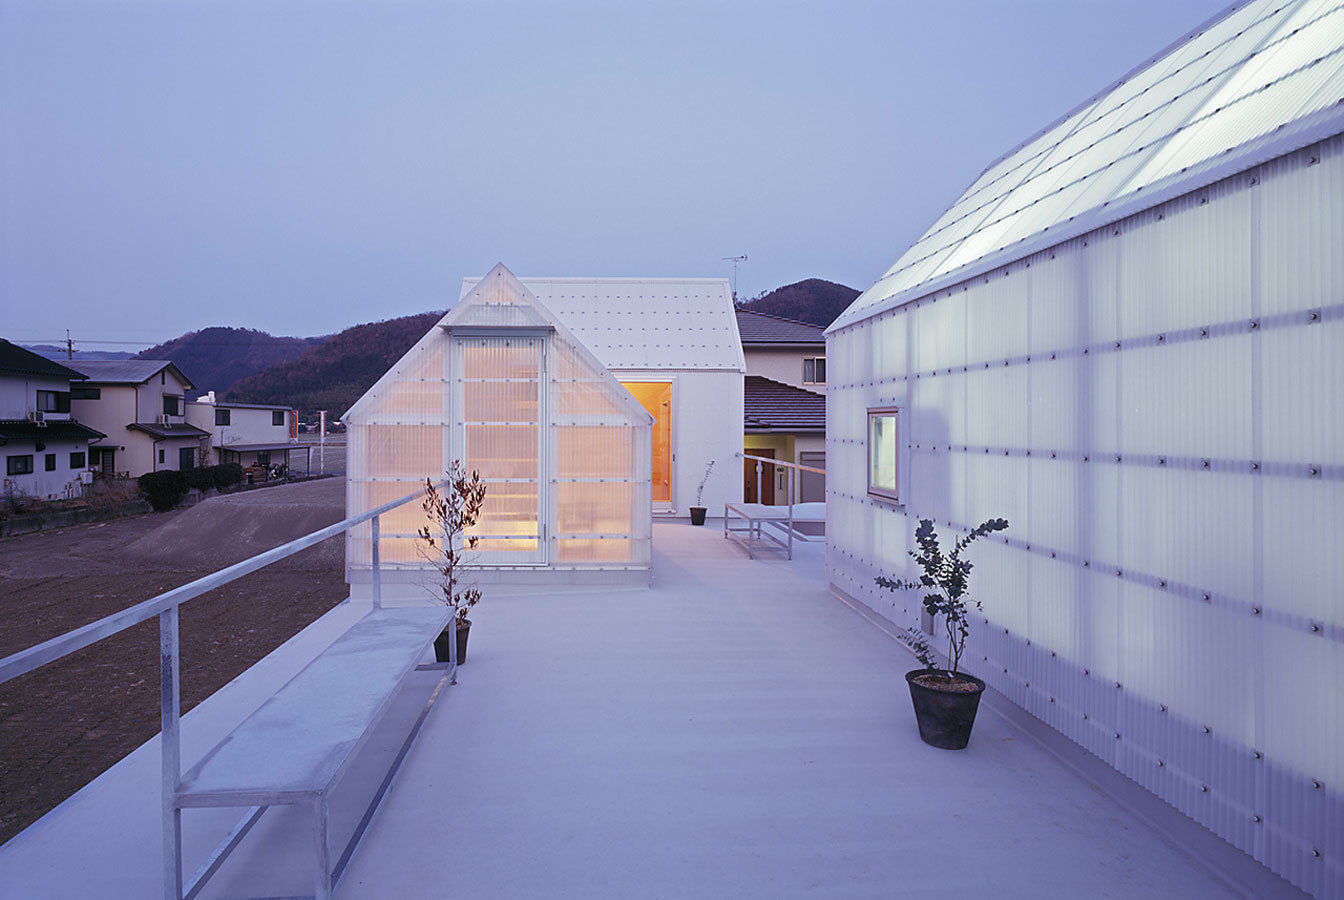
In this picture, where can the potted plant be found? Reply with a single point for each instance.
(698, 511)
(945, 698)
(444, 543)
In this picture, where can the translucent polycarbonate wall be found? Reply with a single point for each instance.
(1156, 408)
(563, 450)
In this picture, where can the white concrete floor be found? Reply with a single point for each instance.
(735, 731)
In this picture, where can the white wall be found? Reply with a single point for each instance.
(246, 426)
(707, 425)
(18, 394)
(1156, 409)
(60, 483)
(784, 366)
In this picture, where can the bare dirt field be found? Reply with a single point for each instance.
(65, 723)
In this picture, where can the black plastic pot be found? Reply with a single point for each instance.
(945, 717)
(698, 515)
(441, 646)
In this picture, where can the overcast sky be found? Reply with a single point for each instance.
(300, 167)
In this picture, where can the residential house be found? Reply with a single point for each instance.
(261, 437)
(46, 451)
(1125, 338)
(784, 406)
(501, 384)
(140, 405)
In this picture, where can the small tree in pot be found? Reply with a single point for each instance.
(698, 511)
(945, 698)
(444, 544)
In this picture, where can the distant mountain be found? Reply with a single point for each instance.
(58, 353)
(214, 358)
(816, 301)
(335, 374)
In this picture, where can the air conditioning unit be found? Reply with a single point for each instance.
(161, 419)
(38, 417)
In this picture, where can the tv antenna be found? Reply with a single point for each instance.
(735, 260)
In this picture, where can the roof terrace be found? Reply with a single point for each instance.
(734, 731)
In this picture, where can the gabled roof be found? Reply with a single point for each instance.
(1257, 81)
(770, 406)
(645, 323)
(496, 304)
(762, 328)
(16, 360)
(21, 431)
(129, 371)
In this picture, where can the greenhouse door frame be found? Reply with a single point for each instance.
(669, 506)
(457, 445)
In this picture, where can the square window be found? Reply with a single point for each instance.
(222, 416)
(19, 465)
(884, 455)
(814, 370)
(53, 401)
(277, 417)
(172, 406)
(50, 462)
(77, 460)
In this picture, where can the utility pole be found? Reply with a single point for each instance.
(735, 260)
(69, 347)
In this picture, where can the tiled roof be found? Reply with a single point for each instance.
(760, 328)
(21, 431)
(173, 430)
(128, 371)
(771, 406)
(15, 360)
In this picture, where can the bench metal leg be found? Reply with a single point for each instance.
(323, 883)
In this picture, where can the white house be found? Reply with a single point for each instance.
(45, 450)
(261, 435)
(672, 343)
(1127, 338)
(140, 404)
(501, 384)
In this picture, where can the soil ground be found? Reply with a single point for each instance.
(67, 722)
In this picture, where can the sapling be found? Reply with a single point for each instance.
(946, 579)
(444, 543)
(700, 491)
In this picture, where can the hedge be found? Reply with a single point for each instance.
(164, 490)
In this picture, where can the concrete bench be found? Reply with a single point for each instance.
(296, 746)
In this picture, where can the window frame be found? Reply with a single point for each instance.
(12, 469)
(223, 416)
(79, 459)
(49, 462)
(277, 414)
(817, 362)
(895, 495)
(80, 392)
(172, 405)
(53, 401)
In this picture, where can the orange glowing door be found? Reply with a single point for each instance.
(656, 397)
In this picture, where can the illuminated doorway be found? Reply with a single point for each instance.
(656, 398)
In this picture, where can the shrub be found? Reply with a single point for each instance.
(200, 477)
(227, 474)
(163, 490)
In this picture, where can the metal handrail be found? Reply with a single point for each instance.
(25, 661)
(165, 606)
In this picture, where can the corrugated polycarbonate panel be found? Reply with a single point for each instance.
(1155, 406)
(1258, 68)
(563, 448)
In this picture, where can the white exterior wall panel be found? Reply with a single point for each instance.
(1155, 407)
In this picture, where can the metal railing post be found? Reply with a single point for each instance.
(170, 709)
(377, 574)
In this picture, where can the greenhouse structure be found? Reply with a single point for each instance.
(674, 344)
(1127, 338)
(503, 386)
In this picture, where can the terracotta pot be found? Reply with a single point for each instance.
(945, 717)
